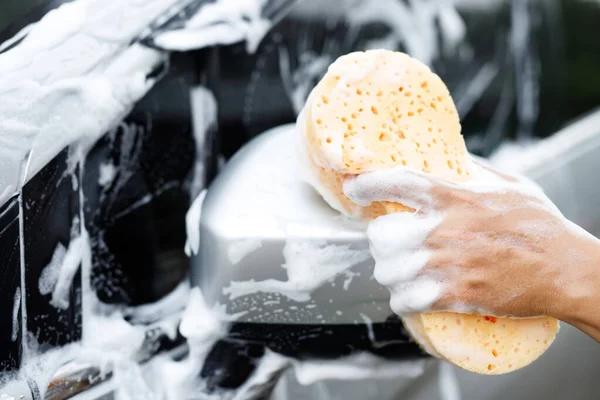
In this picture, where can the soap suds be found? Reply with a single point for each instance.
(192, 225)
(359, 366)
(36, 369)
(240, 248)
(15, 314)
(202, 328)
(106, 173)
(50, 273)
(448, 383)
(78, 248)
(204, 118)
(6, 194)
(83, 82)
(171, 304)
(61, 100)
(220, 23)
(308, 264)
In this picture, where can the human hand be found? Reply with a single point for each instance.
(495, 245)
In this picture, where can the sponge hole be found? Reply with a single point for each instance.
(383, 137)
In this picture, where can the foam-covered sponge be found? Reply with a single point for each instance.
(379, 109)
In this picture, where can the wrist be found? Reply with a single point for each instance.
(578, 290)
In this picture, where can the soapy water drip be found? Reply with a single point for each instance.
(527, 69)
(57, 277)
(15, 314)
(447, 382)
(204, 117)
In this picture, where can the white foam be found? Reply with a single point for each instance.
(112, 333)
(202, 327)
(448, 383)
(220, 23)
(78, 249)
(397, 240)
(308, 264)
(169, 305)
(71, 79)
(36, 369)
(200, 323)
(192, 225)
(358, 366)
(8, 191)
(15, 314)
(240, 248)
(204, 117)
(49, 275)
(106, 173)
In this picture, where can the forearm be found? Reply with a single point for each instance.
(579, 296)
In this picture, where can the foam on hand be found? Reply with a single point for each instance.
(384, 112)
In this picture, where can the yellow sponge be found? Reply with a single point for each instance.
(379, 109)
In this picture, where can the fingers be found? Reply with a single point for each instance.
(414, 296)
(398, 185)
(397, 245)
